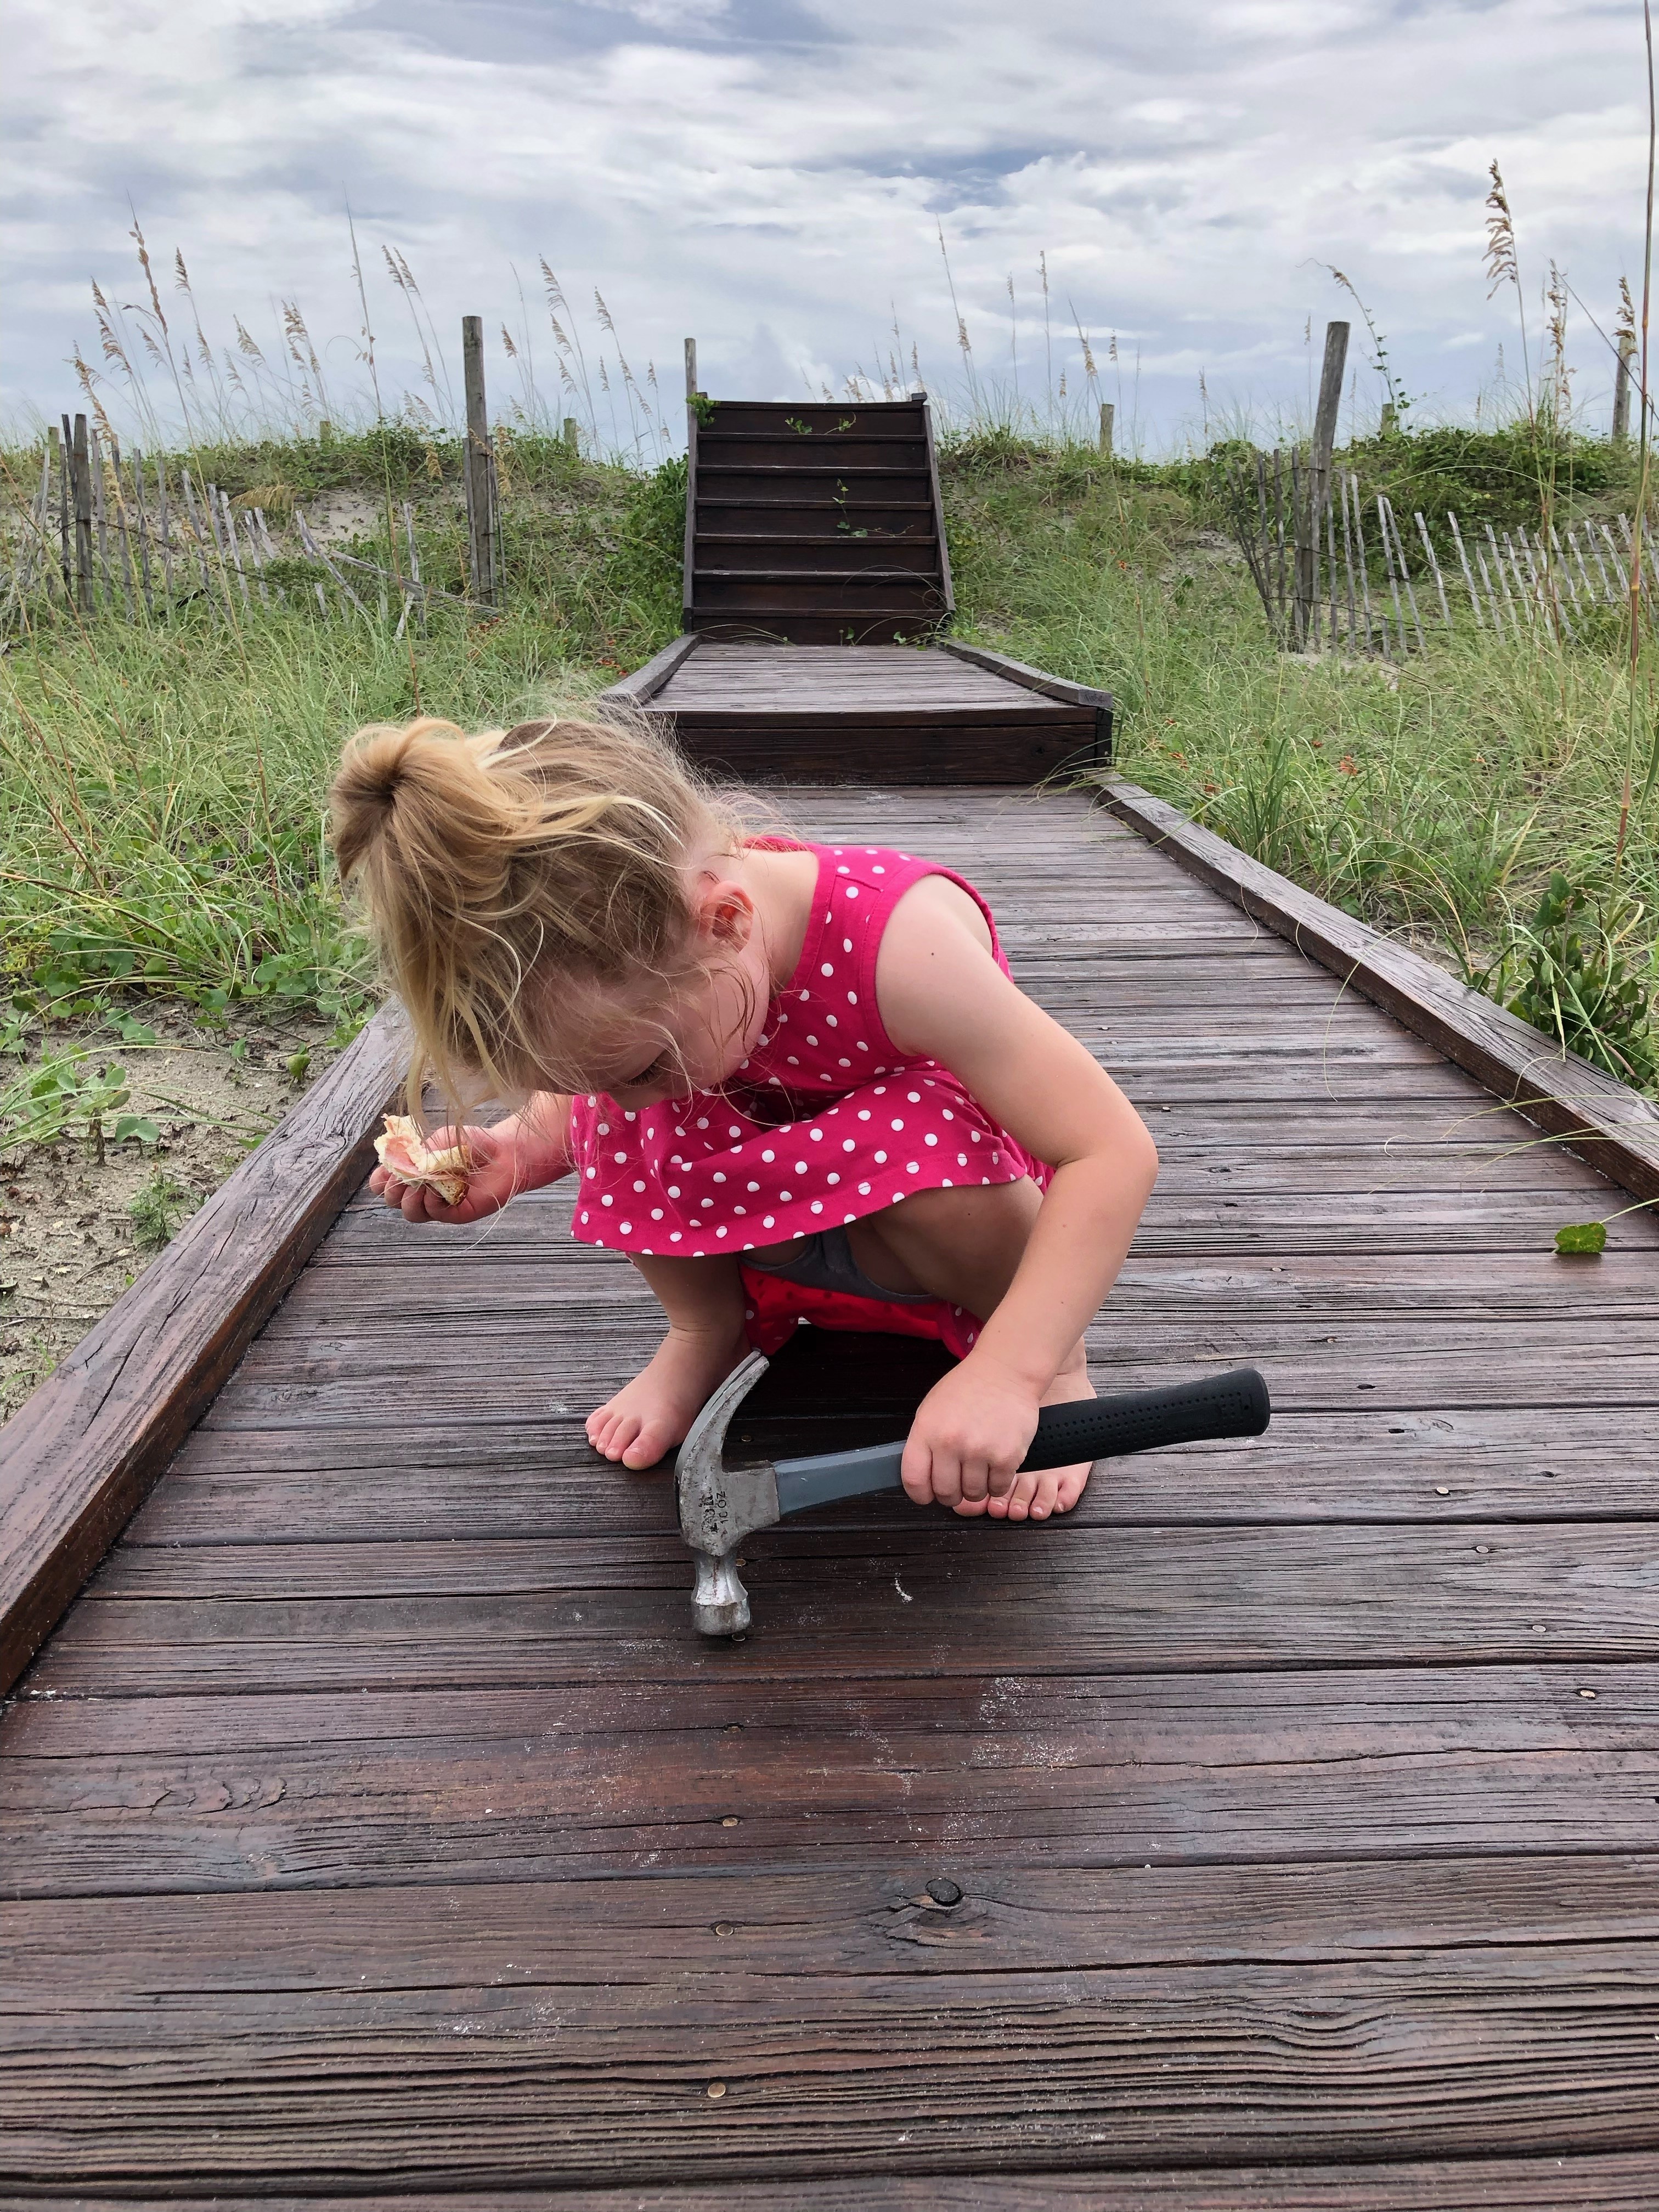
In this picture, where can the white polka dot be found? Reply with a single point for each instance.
(859, 1045)
(930, 1139)
(852, 891)
(719, 1232)
(911, 1167)
(639, 1186)
(840, 871)
(864, 1192)
(812, 1040)
(832, 1022)
(794, 1062)
(947, 1184)
(828, 969)
(622, 1156)
(754, 1186)
(673, 1236)
(864, 1115)
(948, 1114)
(734, 1131)
(880, 1159)
(604, 1127)
(592, 1172)
(832, 1180)
(656, 1213)
(605, 1199)
(584, 1217)
(626, 1227)
(915, 1097)
(817, 1135)
(851, 997)
(849, 1144)
(897, 1124)
(718, 1177)
(767, 1220)
(673, 1190)
(705, 1201)
(962, 1161)
(630, 1117)
(878, 871)
(817, 1205)
(800, 1166)
(769, 1156)
(784, 1196)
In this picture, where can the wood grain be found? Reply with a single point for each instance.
(1611, 1125)
(83, 1450)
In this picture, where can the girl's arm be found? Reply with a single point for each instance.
(530, 1148)
(942, 994)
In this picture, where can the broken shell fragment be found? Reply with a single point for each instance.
(404, 1153)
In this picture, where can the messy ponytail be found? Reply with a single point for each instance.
(553, 849)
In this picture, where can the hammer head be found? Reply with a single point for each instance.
(721, 1505)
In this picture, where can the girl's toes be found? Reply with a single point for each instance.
(1074, 1480)
(1042, 1498)
(647, 1446)
(1016, 1504)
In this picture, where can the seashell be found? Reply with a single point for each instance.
(405, 1154)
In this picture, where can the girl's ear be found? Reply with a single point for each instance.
(725, 915)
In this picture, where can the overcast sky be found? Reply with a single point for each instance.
(772, 176)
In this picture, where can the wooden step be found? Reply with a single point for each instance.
(822, 552)
(768, 417)
(817, 516)
(788, 626)
(853, 596)
(749, 449)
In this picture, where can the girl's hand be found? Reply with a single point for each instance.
(497, 1173)
(969, 1435)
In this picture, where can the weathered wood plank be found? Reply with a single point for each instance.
(85, 1447)
(536, 1479)
(729, 1765)
(571, 2031)
(960, 1597)
(1612, 1126)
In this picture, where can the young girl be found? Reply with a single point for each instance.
(794, 1081)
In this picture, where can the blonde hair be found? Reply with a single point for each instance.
(550, 852)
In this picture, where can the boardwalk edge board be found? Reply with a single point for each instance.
(1605, 1122)
(81, 1453)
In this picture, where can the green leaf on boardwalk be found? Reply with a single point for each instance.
(1581, 1236)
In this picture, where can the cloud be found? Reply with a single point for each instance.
(773, 175)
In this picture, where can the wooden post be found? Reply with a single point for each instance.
(83, 519)
(1108, 413)
(60, 454)
(1621, 384)
(480, 467)
(1310, 511)
(572, 434)
(690, 369)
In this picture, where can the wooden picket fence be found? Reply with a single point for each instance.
(1312, 563)
(122, 534)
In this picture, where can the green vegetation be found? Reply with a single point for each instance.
(161, 783)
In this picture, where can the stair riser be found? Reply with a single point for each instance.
(828, 482)
(715, 452)
(811, 629)
(820, 517)
(852, 552)
(857, 598)
(826, 421)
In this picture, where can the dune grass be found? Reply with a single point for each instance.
(161, 783)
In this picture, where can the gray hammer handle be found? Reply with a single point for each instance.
(1231, 1405)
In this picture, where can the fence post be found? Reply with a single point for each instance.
(1311, 512)
(1108, 412)
(83, 518)
(690, 369)
(572, 434)
(478, 474)
(1621, 388)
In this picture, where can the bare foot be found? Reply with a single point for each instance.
(1055, 1489)
(651, 1414)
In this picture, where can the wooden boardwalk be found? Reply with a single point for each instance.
(376, 1828)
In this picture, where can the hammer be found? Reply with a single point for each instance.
(720, 1505)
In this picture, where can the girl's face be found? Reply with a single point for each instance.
(661, 1041)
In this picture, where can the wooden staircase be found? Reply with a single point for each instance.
(814, 525)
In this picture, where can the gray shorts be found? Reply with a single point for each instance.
(825, 1261)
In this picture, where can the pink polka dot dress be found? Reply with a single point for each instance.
(827, 1122)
